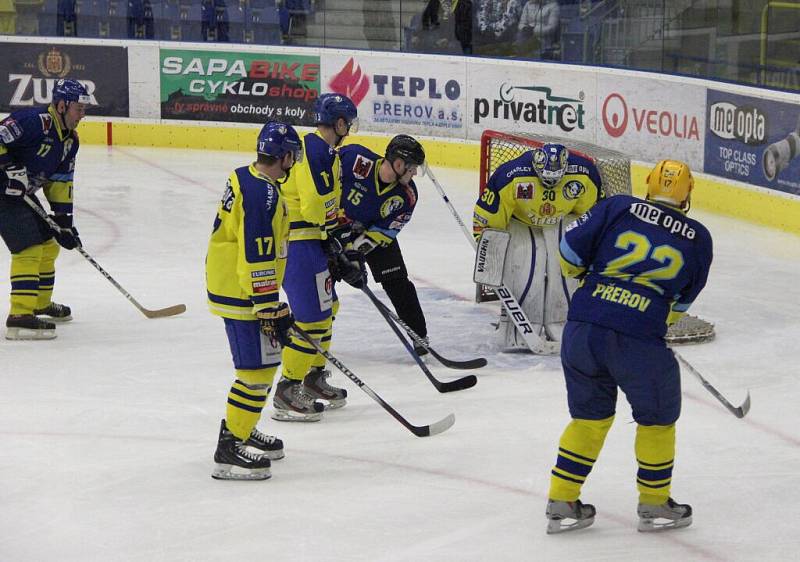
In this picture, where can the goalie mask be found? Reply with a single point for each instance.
(671, 182)
(550, 163)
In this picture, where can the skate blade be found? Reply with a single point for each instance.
(292, 416)
(555, 526)
(57, 318)
(228, 472)
(28, 334)
(272, 455)
(652, 525)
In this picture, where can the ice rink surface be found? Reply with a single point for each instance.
(108, 431)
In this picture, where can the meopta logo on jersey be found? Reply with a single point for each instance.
(391, 205)
(362, 167)
(747, 124)
(532, 104)
(656, 121)
(525, 191)
(227, 198)
(573, 189)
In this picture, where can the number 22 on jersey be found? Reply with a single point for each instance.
(639, 248)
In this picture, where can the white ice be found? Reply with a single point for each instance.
(107, 433)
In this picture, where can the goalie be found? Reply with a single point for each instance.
(528, 197)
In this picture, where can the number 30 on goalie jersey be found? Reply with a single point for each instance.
(514, 190)
(247, 251)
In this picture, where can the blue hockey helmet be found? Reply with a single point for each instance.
(277, 139)
(70, 90)
(550, 163)
(330, 107)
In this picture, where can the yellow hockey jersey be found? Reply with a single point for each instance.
(515, 191)
(313, 190)
(248, 246)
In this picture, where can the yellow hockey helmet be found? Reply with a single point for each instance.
(671, 182)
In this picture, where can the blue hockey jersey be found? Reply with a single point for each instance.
(382, 208)
(34, 138)
(642, 263)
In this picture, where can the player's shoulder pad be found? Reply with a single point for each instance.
(33, 121)
(520, 166)
(578, 164)
(358, 160)
(411, 193)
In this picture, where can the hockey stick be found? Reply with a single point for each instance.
(739, 412)
(158, 313)
(459, 384)
(453, 364)
(420, 431)
(536, 343)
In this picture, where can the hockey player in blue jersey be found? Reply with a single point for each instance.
(37, 151)
(378, 198)
(244, 271)
(642, 264)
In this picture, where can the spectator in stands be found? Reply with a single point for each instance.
(497, 26)
(538, 28)
(430, 17)
(462, 15)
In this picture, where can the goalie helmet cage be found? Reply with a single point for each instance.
(498, 148)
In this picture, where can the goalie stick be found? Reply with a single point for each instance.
(536, 343)
(738, 411)
(452, 363)
(420, 431)
(157, 313)
(459, 384)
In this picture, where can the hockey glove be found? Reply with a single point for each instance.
(67, 237)
(14, 181)
(351, 268)
(276, 322)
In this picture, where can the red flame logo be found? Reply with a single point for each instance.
(351, 82)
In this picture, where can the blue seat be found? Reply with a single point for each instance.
(237, 28)
(47, 16)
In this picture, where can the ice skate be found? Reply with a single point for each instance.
(269, 444)
(668, 515)
(581, 515)
(29, 327)
(56, 312)
(234, 461)
(316, 386)
(293, 403)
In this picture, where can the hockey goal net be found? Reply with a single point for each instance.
(498, 148)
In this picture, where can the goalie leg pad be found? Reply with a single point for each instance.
(524, 276)
(490, 257)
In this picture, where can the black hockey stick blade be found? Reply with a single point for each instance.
(742, 410)
(451, 386)
(738, 411)
(452, 364)
(462, 365)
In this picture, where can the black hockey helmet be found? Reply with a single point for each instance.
(407, 148)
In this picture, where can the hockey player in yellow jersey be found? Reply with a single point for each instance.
(529, 196)
(312, 199)
(245, 266)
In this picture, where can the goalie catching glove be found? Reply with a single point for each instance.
(276, 322)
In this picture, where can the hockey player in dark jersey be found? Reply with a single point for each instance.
(378, 198)
(244, 271)
(37, 151)
(642, 264)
